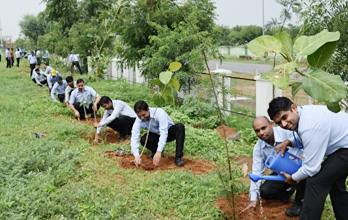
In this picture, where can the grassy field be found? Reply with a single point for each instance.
(63, 176)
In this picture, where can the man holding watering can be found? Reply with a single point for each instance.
(322, 134)
(269, 137)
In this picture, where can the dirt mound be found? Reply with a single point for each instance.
(167, 163)
(108, 136)
(231, 134)
(271, 209)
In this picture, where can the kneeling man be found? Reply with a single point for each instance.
(118, 116)
(162, 130)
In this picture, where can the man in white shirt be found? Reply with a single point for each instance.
(18, 56)
(46, 57)
(32, 62)
(47, 69)
(118, 115)
(321, 133)
(71, 86)
(8, 58)
(38, 56)
(52, 79)
(74, 61)
(162, 130)
(269, 137)
(81, 100)
(39, 76)
(59, 87)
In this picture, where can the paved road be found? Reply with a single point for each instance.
(248, 68)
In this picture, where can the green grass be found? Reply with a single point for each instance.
(62, 176)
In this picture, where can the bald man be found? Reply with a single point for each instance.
(268, 138)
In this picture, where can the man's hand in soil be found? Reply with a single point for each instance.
(77, 114)
(96, 125)
(282, 147)
(157, 158)
(252, 204)
(289, 179)
(137, 160)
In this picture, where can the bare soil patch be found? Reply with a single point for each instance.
(271, 209)
(197, 166)
(108, 136)
(231, 134)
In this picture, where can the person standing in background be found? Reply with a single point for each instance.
(38, 56)
(12, 56)
(18, 56)
(74, 61)
(32, 62)
(8, 58)
(46, 57)
(0, 54)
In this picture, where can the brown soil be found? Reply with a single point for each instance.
(231, 134)
(271, 209)
(167, 163)
(108, 136)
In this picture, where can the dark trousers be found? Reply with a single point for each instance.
(330, 180)
(38, 60)
(0, 58)
(32, 67)
(61, 97)
(175, 132)
(12, 61)
(89, 109)
(77, 64)
(281, 191)
(122, 124)
(8, 64)
(18, 61)
(43, 82)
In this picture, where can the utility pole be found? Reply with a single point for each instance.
(263, 17)
(1, 45)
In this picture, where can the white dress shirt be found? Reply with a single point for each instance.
(120, 109)
(60, 89)
(160, 125)
(262, 150)
(32, 59)
(68, 90)
(86, 96)
(321, 133)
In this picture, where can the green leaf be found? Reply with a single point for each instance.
(165, 77)
(158, 100)
(307, 45)
(263, 44)
(167, 95)
(280, 76)
(285, 38)
(156, 82)
(333, 106)
(175, 83)
(295, 87)
(175, 66)
(324, 86)
(322, 55)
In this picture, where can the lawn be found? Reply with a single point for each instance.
(64, 176)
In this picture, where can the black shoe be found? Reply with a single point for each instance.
(179, 162)
(121, 137)
(294, 210)
(150, 155)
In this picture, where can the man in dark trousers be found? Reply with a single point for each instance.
(118, 115)
(162, 130)
(322, 134)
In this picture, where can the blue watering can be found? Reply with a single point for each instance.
(288, 164)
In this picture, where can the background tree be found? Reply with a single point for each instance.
(32, 27)
(332, 15)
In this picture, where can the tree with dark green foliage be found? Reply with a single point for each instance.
(32, 27)
(332, 15)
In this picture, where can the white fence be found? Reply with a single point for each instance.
(265, 91)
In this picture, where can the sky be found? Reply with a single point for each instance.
(229, 13)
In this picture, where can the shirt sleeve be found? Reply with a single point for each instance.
(67, 90)
(109, 118)
(49, 81)
(102, 125)
(163, 129)
(53, 91)
(72, 97)
(314, 151)
(258, 169)
(135, 137)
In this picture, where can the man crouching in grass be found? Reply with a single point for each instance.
(162, 130)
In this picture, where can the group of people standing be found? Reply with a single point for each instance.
(10, 57)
